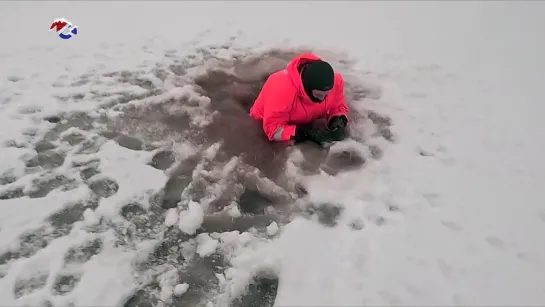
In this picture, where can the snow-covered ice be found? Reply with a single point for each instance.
(119, 156)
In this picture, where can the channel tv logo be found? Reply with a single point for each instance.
(64, 28)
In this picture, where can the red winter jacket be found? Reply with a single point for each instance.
(283, 103)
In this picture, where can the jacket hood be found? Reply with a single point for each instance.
(294, 75)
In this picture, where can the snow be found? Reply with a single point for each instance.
(461, 81)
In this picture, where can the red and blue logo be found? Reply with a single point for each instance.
(64, 28)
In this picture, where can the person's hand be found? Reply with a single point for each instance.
(336, 127)
(321, 137)
(302, 134)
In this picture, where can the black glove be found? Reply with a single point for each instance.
(306, 133)
(301, 134)
(321, 137)
(336, 126)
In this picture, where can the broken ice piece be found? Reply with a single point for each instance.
(234, 212)
(272, 229)
(207, 245)
(172, 217)
(180, 289)
(191, 219)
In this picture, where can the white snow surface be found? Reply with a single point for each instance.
(462, 82)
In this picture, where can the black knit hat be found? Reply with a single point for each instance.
(317, 75)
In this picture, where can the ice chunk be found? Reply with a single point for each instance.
(272, 229)
(234, 212)
(191, 219)
(180, 289)
(206, 245)
(172, 217)
(245, 238)
(167, 280)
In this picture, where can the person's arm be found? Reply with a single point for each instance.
(337, 118)
(276, 111)
(338, 107)
(275, 123)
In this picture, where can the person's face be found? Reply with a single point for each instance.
(320, 95)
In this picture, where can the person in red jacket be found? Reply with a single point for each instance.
(291, 99)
